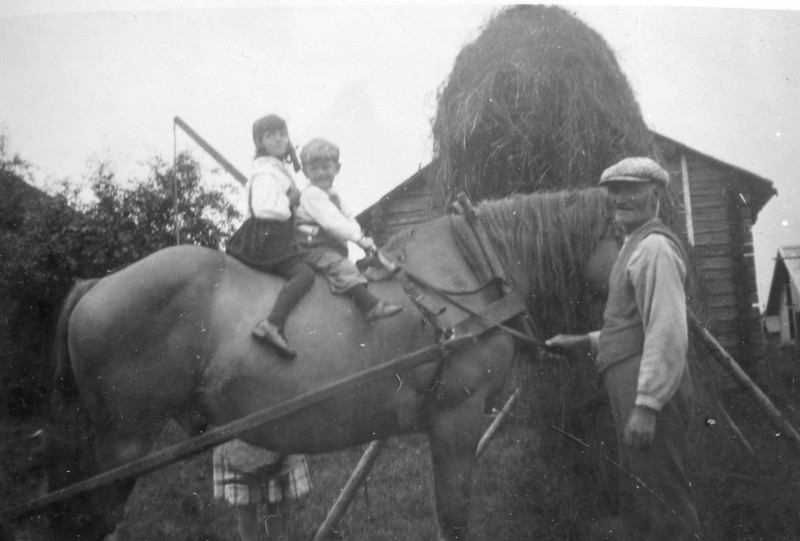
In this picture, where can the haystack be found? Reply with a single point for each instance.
(536, 102)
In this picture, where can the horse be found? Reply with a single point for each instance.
(169, 337)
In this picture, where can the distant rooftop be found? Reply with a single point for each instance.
(787, 261)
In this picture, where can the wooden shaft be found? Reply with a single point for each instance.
(227, 432)
(733, 368)
(219, 158)
(735, 428)
(364, 465)
(347, 494)
(490, 432)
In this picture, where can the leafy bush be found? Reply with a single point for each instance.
(49, 241)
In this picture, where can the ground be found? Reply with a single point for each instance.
(532, 482)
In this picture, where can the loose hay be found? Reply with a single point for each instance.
(536, 102)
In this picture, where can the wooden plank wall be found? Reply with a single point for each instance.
(723, 251)
(405, 208)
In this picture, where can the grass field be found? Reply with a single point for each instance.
(531, 483)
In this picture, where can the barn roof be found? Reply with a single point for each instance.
(761, 190)
(787, 268)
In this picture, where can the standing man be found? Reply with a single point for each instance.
(641, 354)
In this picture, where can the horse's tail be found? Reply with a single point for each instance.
(64, 385)
(69, 425)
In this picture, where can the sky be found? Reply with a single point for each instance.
(102, 80)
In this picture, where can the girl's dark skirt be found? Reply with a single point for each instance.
(264, 244)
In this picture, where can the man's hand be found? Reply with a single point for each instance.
(571, 345)
(641, 427)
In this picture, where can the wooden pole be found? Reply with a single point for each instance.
(490, 432)
(735, 428)
(175, 186)
(219, 158)
(217, 436)
(364, 465)
(347, 494)
(733, 368)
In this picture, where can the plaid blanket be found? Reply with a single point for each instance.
(245, 475)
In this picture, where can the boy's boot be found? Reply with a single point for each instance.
(372, 308)
(381, 310)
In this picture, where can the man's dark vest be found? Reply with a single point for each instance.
(622, 335)
(310, 235)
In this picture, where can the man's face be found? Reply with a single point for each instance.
(322, 172)
(634, 203)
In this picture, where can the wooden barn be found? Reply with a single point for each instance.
(718, 204)
(782, 315)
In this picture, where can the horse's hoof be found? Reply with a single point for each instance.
(269, 333)
(381, 310)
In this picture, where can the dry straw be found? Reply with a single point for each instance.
(536, 102)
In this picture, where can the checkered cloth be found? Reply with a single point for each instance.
(245, 475)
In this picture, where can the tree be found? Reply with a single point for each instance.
(46, 242)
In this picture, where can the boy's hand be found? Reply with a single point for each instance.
(366, 243)
(571, 345)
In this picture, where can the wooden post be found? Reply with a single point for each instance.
(733, 368)
(347, 494)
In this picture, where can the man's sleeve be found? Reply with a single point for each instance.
(657, 273)
(319, 207)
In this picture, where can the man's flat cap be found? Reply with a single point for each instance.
(636, 169)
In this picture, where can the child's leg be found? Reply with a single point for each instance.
(362, 298)
(247, 521)
(300, 279)
(345, 278)
(371, 306)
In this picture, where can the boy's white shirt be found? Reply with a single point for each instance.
(316, 207)
(270, 181)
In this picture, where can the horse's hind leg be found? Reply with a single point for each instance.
(454, 437)
(114, 449)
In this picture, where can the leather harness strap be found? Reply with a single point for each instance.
(493, 315)
(465, 207)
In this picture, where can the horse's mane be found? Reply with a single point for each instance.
(544, 241)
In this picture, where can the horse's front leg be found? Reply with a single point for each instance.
(453, 439)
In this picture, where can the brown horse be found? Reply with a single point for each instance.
(169, 337)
